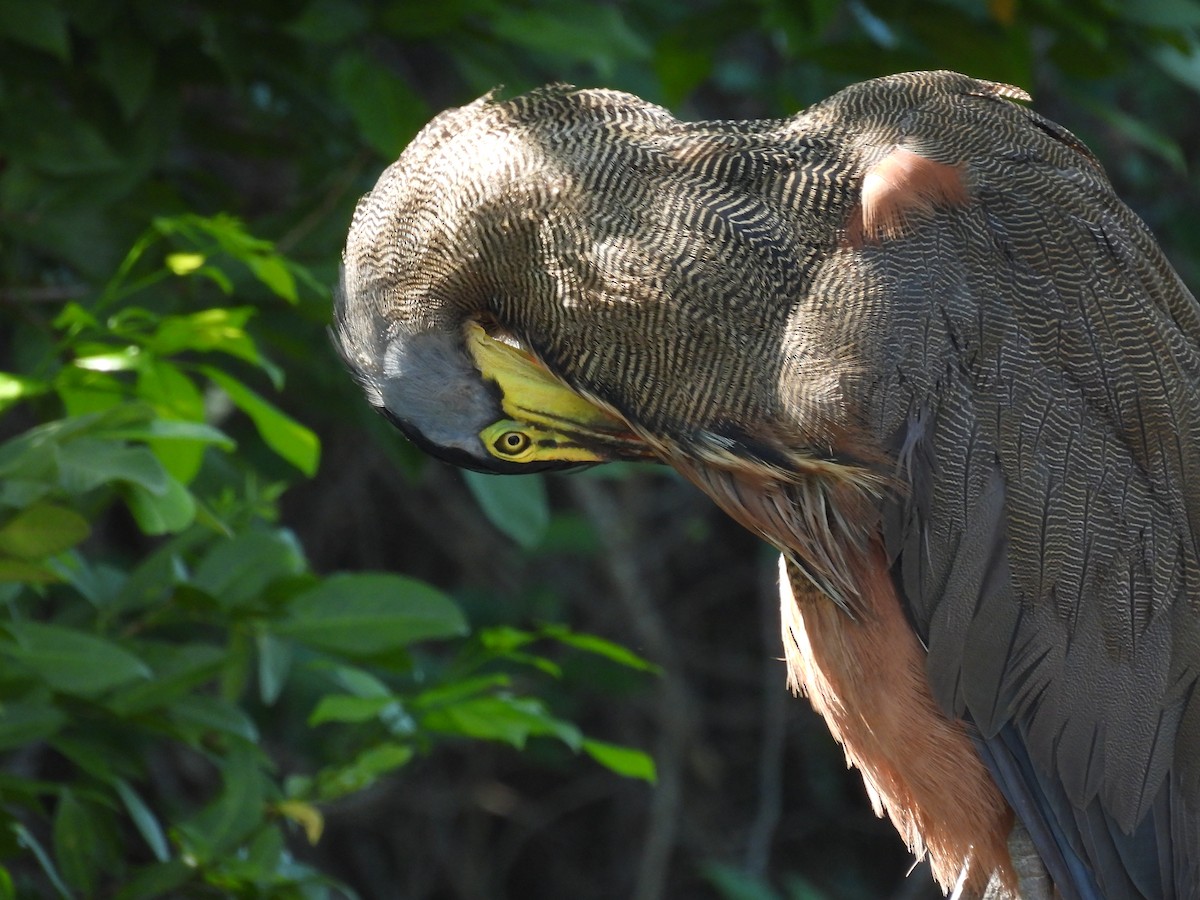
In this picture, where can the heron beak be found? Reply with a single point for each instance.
(562, 424)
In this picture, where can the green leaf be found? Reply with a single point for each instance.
(157, 881)
(74, 841)
(237, 571)
(1139, 133)
(273, 272)
(99, 583)
(283, 434)
(184, 263)
(274, 663)
(220, 328)
(599, 646)
(461, 689)
(14, 388)
(368, 614)
(179, 438)
(329, 22)
(198, 714)
(1180, 65)
(518, 507)
(87, 463)
(161, 512)
(126, 68)
(359, 682)
(623, 760)
(681, 66)
(93, 752)
(28, 720)
(363, 771)
(734, 884)
(26, 839)
(20, 570)
(385, 109)
(1173, 14)
(144, 820)
(593, 33)
(234, 815)
(504, 638)
(178, 669)
(348, 708)
(40, 25)
(500, 718)
(42, 530)
(170, 430)
(70, 661)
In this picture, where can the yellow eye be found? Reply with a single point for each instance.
(512, 443)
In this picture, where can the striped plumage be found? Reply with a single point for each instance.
(911, 337)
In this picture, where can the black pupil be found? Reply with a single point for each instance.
(514, 441)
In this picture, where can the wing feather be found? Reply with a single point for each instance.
(1048, 543)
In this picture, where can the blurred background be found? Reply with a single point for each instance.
(252, 644)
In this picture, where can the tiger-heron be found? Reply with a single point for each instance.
(909, 336)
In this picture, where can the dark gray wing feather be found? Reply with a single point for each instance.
(1041, 387)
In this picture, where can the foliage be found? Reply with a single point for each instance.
(185, 702)
(118, 667)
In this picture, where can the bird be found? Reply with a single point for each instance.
(910, 337)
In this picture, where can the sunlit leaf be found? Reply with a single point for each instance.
(512, 720)
(14, 388)
(595, 644)
(623, 760)
(184, 263)
(221, 328)
(111, 361)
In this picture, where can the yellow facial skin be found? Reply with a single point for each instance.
(548, 421)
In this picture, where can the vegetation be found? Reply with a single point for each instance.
(251, 643)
